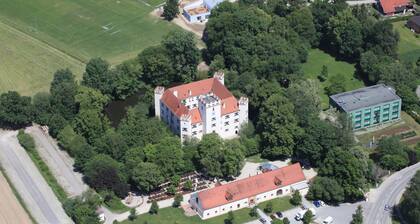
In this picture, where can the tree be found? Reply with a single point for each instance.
(392, 154)
(326, 189)
(156, 66)
(296, 198)
(278, 127)
(132, 215)
(286, 220)
(63, 91)
(91, 124)
(177, 200)
(42, 108)
(383, 39)
(111, 143)
(184, 54)
(88, 98)
(358, 216)
(154, 209)
(26, 141)
(15, 110)
(97, 75)
(323, 76)
(268, 207)
(307, 218)
(345, 34)
(301, 20)
(104, 173)
(230, 218)
(82, 209)
(170, 10)
(169, 156)
(147, 176)
(306, 101)
(253, 211)
(336, 85)
(56, 123)
(410, 205)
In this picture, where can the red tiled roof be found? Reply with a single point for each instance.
(388, 6)
(251, 186)
(195, 116)
(172, 97)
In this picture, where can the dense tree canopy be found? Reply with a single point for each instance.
(410, 204)
(15, 110)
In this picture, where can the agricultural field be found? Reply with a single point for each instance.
(312, 68)
(40, 36)
(409, 46)
(27, 65)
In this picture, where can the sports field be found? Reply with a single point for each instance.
(67, 33)
(409, 46)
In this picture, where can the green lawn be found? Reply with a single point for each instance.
(312, 68)
(279, 204)
(27, 65)
(113, 29)
(176, 215)
(409, 46)
(116, 205)
(256, 159)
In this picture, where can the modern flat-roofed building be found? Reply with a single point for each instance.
(206, 106)
(249, 191)
(369, 106)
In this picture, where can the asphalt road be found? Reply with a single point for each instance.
(388, 193)
(59, 162)
(31, 186)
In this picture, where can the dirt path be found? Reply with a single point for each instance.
(11, 212)
(59, 162)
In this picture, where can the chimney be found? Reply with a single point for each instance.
(189, 92)
(220, 75)
(175, 92)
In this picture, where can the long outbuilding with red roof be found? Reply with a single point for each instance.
(391, 7)
(249, 191)
(206, 106)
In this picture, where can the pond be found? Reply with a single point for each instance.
(117, 109)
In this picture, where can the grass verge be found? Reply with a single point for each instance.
(409, 45)
(279, 204)
(28, 144)
(115, 205)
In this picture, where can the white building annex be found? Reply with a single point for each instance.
(249, 191)
(206, 106)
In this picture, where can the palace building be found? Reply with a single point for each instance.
(206, 106)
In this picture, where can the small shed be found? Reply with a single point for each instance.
(414, 24)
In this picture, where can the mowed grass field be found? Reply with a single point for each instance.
(312, 68)
(27, 65)
(409, 46)
(40, 36)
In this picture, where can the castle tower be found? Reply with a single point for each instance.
(243, 110)
(159, 90)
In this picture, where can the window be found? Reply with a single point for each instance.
(226, 130)
(184, 129)
(213, 125)
(226, 123)
(194, 126)
(194, 133)
(194, 105)
(236, 113)
(227, 116)
(239, 205)
(236, 120)
(213, 118)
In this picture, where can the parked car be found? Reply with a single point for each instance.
(262, 220)
(300, 215)
(318, 203)
(328, 220)
(279, 215)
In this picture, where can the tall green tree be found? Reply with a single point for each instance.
(410, 205)
(170, 10)
(156, 66)
(89, 98)
(97, 75)
(301, 20)
(278, 127)
(104, 173)
(147, 176)
(392, 153)
(345, 34)
(184, 54)
(63, 91)
(15, 110)
(358, 216)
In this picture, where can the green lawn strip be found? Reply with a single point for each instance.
(279, 204)
(409, 45)
(22, 203)
(176, 215)
(312, 68)
(42, 167)
(115, 205)
(256, 159)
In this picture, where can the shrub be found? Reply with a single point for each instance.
(155, 208)
(26, 140)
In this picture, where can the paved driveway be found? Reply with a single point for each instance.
(59, 162)
(31, 186)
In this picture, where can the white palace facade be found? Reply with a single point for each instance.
(206, 106)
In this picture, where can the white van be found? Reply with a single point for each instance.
(328, 220)
(300, 215)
